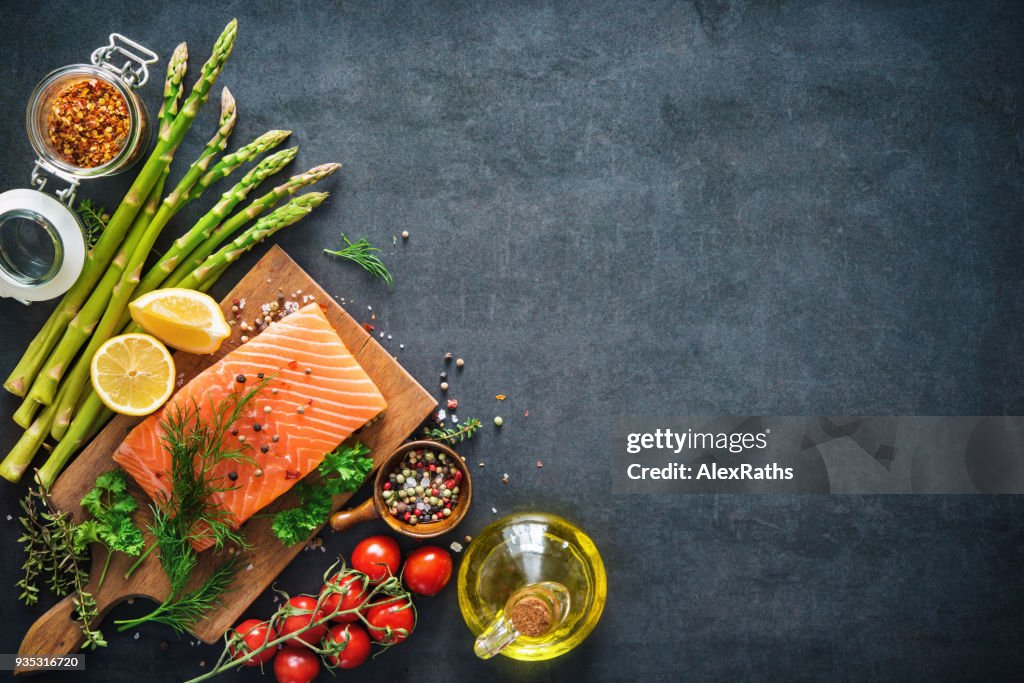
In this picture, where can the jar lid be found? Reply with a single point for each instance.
(42, 247)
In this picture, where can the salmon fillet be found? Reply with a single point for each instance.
(317, 397)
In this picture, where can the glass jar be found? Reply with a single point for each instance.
(38, 113)
(42, 245)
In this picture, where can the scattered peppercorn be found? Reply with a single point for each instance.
(240, 379)
(264, 448)
(259, 375)
(444, 386)
(498, 421)
(301, 410)
(232, 475)
(448, 357)
(459, 363)
(309, 371)
(257, 427)
(275, 438)
(267, 409)
(444, 375)
(405, 234)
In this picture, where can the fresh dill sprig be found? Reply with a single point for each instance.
(188, 514)
(452, 435)
(94, 220)
(363, 253)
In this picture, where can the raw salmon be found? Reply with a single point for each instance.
(317, 396)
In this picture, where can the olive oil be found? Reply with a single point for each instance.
(537, 565)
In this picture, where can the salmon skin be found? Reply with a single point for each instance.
(316, 396)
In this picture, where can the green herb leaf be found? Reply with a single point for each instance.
(342, 470)
(364, 254)
(94, 220)
(452, 435)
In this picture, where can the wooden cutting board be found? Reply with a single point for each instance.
(56, 633)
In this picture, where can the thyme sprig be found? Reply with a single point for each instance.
(451, 434)
(364, 254)
(50, 552)
(189, 513)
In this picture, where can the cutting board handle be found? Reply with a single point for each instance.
(55, 633)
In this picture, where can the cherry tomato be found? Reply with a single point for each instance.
(378, 557)
(356, 650)
(352, 596)
(296, 665)
(427, 570)
(386, 620)
(303, 606)
(254, 633)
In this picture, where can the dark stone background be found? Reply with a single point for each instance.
(646, 208)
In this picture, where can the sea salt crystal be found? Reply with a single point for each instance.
(9, 518)
(455, 419)
(456, 547)
(441, 414)
(249, 567)
(401, 346)
(389, 337)
(136, 636)
(494, 511)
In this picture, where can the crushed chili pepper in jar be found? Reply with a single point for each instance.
(88, 123)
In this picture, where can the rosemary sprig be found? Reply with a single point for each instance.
(364, 254)
(196, 448)
(94, 220)
(452, 435)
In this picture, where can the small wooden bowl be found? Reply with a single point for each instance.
(376, 508)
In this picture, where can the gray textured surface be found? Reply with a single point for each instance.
(650, 208)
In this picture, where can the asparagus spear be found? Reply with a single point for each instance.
(290, 213)
(92, 412)
(38, 350)
(21, 454)
(100, 256)
(26, 412)
(142, 221)
(202, 229)
(236, 222)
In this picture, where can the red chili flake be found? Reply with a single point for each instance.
(291, 474)
(540, 464)
(309, 402)
(293, 364)
(88, 123)
(526, 413)
(453, 404)
(368, 327)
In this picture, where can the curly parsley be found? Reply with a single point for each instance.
(341, 471)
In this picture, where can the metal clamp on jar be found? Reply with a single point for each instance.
(84, 121)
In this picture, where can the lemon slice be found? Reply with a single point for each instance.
(133, 374)
(183, 319)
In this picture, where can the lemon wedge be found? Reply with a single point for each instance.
(183, 319)
(133, 374)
